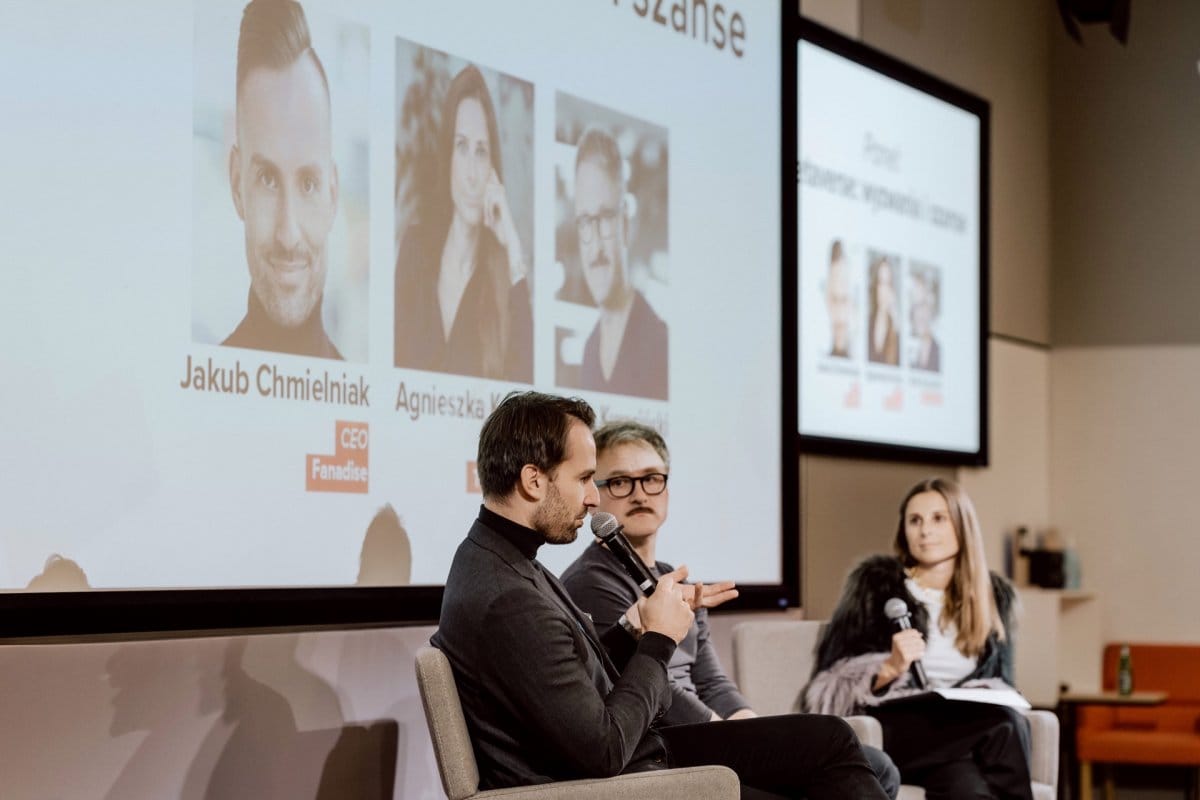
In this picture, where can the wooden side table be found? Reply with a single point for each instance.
(1067, 703)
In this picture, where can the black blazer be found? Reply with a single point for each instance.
(545, 699)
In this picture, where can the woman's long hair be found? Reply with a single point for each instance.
(970, 601)
(492, 318)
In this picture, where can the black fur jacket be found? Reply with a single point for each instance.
(858, 639)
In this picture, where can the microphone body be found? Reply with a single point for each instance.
(608, 530)
(897, 611)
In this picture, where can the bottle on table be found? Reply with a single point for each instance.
(1125, 672)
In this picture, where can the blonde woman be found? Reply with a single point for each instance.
(962, 635)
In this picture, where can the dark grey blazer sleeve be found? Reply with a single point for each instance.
(539, 673)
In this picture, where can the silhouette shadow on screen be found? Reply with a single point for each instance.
(386, 556)
(59, 575)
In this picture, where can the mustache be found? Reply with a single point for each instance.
(297, 253)
(601, 260)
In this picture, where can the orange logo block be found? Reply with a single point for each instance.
(346, 469)
(853, 396)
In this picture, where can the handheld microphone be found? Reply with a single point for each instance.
(608, 530)
(896, 610)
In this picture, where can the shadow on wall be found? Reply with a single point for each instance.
(254, 747)
(376, 672)
(386, 555)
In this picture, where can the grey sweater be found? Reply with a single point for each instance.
(601, 587)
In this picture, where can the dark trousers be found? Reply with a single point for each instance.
(792, 755)
(958, 750)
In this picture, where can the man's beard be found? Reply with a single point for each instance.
(285, 306)
(554, 520)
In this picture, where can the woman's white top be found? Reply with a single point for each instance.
(944, 664)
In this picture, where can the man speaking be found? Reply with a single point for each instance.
(546, 696)
(633, 467)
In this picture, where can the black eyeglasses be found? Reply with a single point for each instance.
(622, 485)
(604, 224)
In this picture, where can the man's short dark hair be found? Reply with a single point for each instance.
(599, 146)
(274, 35)
(625, 431)
(526, 428)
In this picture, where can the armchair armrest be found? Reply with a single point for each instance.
(1043, 758)
(690, 783)
(867, 729)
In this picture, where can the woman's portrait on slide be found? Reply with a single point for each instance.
(464, 217)
(883, 322)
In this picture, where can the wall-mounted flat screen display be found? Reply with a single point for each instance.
(892, 257)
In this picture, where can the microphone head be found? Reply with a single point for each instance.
(604, 524)
(895, 608)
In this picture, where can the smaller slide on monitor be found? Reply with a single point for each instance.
(892, 257)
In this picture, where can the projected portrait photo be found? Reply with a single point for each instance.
(924, 305)
(611, 250)
(839, 302)
(883, 321)
(279, 144)
(464, 217)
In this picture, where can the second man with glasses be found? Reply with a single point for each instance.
(632, 469)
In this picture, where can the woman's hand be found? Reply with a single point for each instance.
(907, 646)
(498, 219)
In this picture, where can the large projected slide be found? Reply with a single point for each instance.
(268, 268)
(891, 248)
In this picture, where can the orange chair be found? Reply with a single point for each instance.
(1167, 734)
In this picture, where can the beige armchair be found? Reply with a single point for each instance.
(772, 661)
(460, 773)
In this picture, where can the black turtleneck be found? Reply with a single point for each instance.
(259, 332)
(527, 540)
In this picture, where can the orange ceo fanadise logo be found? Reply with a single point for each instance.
(346, 469)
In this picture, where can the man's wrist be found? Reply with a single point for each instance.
(629, 627)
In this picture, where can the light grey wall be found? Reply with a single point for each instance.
(1000, 50)
(1126, 134)
(1126, 359)
(1126, 145)
(1126, 455)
